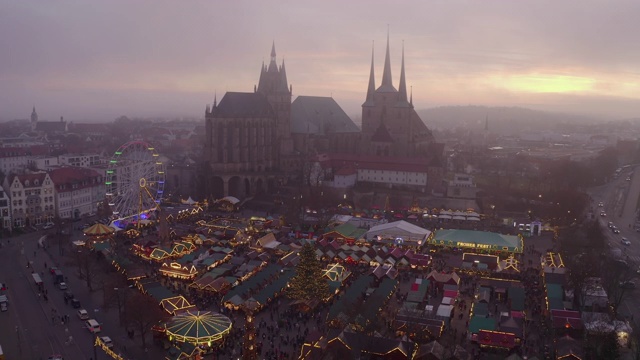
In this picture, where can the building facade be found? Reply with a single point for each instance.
(248, 137)
(32, 198)
(77, 191)
(5, 210)
(82, 160)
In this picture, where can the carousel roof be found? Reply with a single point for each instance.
(98, 229)
(198, 327)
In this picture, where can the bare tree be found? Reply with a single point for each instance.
(88, 266)
(142, 312)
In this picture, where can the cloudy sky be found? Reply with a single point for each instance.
(96, 60)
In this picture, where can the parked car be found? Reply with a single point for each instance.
(62, 286)
(75, 303)
(48, 225)
(83, 314)
(93, 326)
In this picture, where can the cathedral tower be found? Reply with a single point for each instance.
(274, 85)
(392, 109)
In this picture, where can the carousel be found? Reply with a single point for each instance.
(98, 233)
(98, 230)
(198, 327)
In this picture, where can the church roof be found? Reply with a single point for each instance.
(382, 134)
(319, 115)
(237, 104)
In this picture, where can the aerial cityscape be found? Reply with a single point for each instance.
(340, 180)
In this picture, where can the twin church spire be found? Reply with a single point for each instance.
(387, 83)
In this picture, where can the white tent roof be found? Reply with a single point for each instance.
(189, 201)
(231, 199)
(398, 229)
(444, 310)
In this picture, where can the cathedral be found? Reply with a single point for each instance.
(390, 124)
(248, 138)
(257, 140)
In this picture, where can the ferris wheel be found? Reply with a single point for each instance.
(134, 181)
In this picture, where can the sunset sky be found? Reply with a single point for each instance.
(96, 60)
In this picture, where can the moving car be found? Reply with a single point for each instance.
(93, 326)
(625, 241)
(601, 204)
(83, 314)
(62, 286)
(603, 214)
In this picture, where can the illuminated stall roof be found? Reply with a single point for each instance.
(481, 240)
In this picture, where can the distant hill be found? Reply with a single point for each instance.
(501, 119)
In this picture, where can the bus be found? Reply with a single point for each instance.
(38, 281)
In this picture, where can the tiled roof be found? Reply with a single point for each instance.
(70, 174)
(319, 115)
(372, 162)
(237, 104)
(31, 178)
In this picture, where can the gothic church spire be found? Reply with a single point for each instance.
(402, 88)
(372, 82)
(387, 83)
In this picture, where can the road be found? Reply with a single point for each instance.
(620, 198)
(37, 337)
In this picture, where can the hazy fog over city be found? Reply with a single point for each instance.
(95, 61)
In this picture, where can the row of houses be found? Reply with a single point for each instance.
(37, 198)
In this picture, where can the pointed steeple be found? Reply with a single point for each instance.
(402, 88)
(372, 82)
(284, 85)
(486, 123)
(387, 83)
(272, 64)
(34, 115)
(273, 51)
(215, 99)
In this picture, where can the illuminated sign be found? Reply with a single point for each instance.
(106, 349)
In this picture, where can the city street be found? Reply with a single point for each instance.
(620, 198)
(33, 328)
